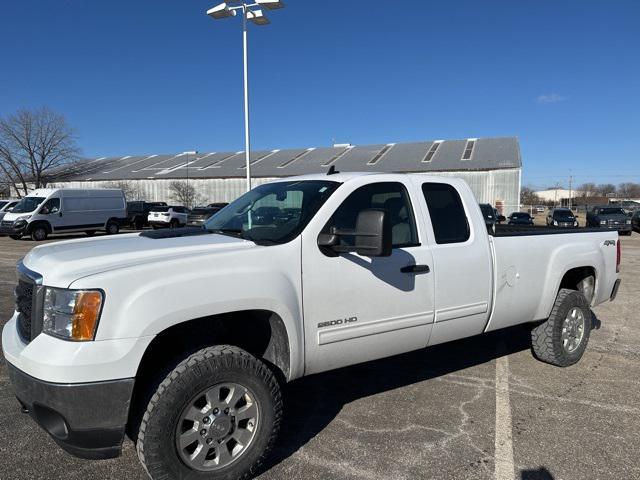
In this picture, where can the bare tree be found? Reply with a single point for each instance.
(588, 190)
(131, 189)
(629, 190)
(184, 193)
(529, 197)
(606, 189)
(35, 145)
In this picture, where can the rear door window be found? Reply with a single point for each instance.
(449, 220)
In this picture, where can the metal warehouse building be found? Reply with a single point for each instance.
(491, 166)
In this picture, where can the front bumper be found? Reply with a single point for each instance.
(86, 419)
(616, 228)
(12, 229)
(159, 223)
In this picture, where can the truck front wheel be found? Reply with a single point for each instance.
(215, 416)
(562, 339)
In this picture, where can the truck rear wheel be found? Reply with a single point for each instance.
(562, 339)
(215, 416)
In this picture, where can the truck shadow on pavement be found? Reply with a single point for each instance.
(312, 403)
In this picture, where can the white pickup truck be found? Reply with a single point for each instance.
(182, 338)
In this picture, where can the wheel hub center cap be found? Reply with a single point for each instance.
(220, 427)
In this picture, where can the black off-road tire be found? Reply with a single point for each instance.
(213, 365)
(546, 338)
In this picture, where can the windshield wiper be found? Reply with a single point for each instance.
(231, 232)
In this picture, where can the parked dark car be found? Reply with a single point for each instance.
(138, 213)
(520, 218)
(635, 221)
(199, 215)
(218, 206)
(490, 214)
(561, 217)
(611, 218)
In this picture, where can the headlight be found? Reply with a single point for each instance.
(628, 222)
(555, 222)
(72, 314)
(603, 222)
(575, 223)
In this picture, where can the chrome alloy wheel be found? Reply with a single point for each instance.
(217, 426)
(573, 329)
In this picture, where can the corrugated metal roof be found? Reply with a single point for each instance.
(488, 154)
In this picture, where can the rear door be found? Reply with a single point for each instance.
(358, 308)
(462, 261)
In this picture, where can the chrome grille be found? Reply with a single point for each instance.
(24, 307)
(28, 295)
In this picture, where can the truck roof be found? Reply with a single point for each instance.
(347, 176)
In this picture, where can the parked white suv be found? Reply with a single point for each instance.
(171, 216)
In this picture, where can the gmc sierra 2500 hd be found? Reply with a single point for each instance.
(182, 338)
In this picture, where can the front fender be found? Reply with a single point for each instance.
(144, 300)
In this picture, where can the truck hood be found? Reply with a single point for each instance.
(62, 263)
(616, 217)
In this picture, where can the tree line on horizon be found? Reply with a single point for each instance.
(587, 193)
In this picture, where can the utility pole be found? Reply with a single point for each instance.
(570, 190)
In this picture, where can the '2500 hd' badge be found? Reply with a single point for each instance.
(340, 321)
(609, 243)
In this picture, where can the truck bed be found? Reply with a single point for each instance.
(528, 230)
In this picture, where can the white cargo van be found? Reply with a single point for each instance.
(47, 211)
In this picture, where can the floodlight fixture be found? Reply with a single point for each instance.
(257, 17)
(221, 11)
(270, 4)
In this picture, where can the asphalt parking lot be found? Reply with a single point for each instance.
(482, 408)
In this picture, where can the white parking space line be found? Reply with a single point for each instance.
(504, 439)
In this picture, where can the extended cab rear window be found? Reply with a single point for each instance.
(449, 220)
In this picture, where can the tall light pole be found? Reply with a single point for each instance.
(251, 12)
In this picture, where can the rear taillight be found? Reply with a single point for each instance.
(618, 257)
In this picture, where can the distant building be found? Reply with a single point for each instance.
(491, 166)
(556, 195)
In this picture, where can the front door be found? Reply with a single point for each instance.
(359, 308)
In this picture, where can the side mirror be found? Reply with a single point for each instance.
(372, 235)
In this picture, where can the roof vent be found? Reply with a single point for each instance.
(432, 151)
(342, 145)
(468, 150)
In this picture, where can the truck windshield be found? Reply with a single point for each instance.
(563, 215)
(27, 204)
(273, 213)
(612, 211)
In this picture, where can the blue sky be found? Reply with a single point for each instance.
(158, 76)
